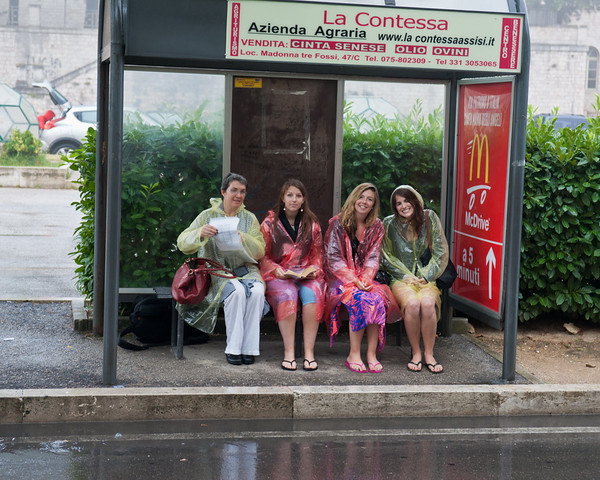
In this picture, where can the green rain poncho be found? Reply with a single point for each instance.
(204, 315)
(401, 248)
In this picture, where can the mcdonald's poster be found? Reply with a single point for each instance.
(481, 186)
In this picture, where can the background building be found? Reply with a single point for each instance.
(56, 41)
(564, 62)
(50, 40)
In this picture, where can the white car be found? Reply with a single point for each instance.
(63, 134)
(66, 132)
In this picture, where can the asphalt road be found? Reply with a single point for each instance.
(481, 448)
(36, 237)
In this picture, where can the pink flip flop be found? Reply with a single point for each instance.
(372, 366)
(355, 369)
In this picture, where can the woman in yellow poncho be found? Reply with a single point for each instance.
(408, 233)
(244, 296)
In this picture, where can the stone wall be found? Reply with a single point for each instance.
(50, 43)
(559, 66)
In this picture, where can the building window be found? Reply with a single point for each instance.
(91, 14)
(592, 79)
(13, 12)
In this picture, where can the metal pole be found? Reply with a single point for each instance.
(448, 200)
(100, 198)
(113, 196)
(515, 212)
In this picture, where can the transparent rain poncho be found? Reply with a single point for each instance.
(282, 251)
(204, 315)
(373, 307)
(402, 248)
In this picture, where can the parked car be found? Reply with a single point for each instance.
(65, 132)
(561, 121)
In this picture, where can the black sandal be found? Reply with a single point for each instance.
(418, 365)
(310, 362)
(431, 368)
(291, 362)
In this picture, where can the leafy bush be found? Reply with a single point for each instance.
(560, 250)
(83, 160)
(168, 176)
(169, 173)
(22, 148)
(389, 153)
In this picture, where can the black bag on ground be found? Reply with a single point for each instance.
(150, 322)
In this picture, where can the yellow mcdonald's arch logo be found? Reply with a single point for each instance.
(478, 145)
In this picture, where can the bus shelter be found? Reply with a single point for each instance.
(283, 65)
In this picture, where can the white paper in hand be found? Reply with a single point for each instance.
(228, 238)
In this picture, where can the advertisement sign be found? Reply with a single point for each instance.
(481, 177)
(373, 36)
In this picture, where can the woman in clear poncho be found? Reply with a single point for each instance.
(352, 254)
(293, 244)
(408, 233)
(243, 297)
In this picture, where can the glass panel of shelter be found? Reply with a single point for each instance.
(174, 102)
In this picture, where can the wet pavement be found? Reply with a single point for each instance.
(396, 448)
(35, 241)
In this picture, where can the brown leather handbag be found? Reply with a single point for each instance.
(192, 279)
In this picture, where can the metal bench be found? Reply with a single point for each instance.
(177, 326)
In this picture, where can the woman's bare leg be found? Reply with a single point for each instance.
(354, 356)
(310, 328)
(287, 327)
(429, 330)
(412, 323)
(372, 339)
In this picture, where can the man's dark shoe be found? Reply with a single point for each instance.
(233, 359)
(247, 359)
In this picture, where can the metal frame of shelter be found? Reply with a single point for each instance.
(183, 34)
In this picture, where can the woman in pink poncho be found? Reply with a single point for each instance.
(352, 253)
(292, 268)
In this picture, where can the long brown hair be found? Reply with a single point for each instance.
(307, 217)
(418, 218)
(347, 214)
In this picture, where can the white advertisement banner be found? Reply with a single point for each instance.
(373, 36)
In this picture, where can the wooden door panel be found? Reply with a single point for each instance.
(284, 128)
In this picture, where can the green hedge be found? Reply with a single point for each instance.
(560, 251)
(170, 173)
(393, 152)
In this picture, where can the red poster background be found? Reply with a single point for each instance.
(484, 125)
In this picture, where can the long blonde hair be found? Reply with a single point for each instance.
(347, 218)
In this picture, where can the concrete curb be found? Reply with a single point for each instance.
(102, 404)
(38, 177)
